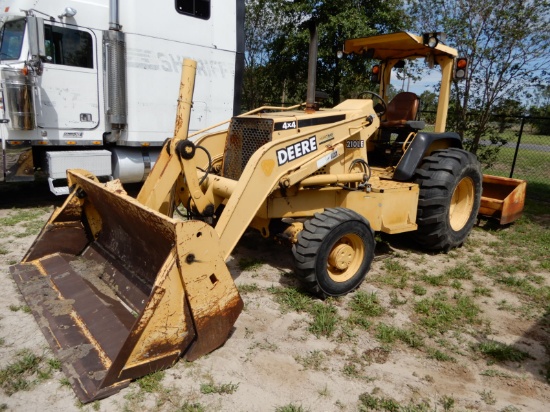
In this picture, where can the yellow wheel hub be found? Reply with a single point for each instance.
(462, 203)
(345, 258)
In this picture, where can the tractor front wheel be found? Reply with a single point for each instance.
(450, 195)
(334, 252)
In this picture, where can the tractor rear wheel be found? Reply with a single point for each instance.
(334, 252)
(450, 194)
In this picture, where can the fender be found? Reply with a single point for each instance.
(422, 145)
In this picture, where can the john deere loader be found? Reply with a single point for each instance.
(121, 288)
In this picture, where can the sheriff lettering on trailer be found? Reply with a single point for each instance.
(296, 150)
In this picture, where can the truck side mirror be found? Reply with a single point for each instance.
(36, 37)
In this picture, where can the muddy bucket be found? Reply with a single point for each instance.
(120, 290)
(502, 198)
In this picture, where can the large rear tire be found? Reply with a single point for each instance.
(334, 252)
(450, 195)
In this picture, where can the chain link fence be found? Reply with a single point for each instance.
(522, 150)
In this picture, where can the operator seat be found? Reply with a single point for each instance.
(399, 126)
(402, 111)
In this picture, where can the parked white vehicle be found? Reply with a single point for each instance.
(94, 84)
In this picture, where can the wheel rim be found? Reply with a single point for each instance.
(345, 258)
(462, 203)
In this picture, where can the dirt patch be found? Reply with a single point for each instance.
(404, 353)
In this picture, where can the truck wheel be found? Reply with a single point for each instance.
(334, 252)
(450, 194)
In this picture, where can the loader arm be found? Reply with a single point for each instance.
(264, 174)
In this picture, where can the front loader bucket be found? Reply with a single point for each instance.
(503, 198)
(120, 290)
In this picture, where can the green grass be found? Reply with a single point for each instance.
(290, 408)
(291, 299)
(314, 360)
(222, 389)
(152, 382)
(248, 288)
(390, 334)
(26, 371)
(439, 314)
(250, 264)
(501, 352)
(365, 304)
(325, 318)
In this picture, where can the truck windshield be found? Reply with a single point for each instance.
(11, 39)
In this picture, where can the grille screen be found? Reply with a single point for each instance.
(244, 138)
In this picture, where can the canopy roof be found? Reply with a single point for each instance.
(401, 45)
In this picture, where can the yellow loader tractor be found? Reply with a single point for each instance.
(122, 288)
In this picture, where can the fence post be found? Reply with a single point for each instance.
(517, 146)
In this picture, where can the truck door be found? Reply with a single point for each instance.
(68, 88)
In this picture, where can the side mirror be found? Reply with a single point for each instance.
(36, 37)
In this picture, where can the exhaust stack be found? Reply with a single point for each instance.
(311, 105)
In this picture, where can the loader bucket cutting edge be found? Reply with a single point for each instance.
(120, 290)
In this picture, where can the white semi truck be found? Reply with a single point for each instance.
(93, 84)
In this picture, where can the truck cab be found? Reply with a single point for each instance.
(91, 85)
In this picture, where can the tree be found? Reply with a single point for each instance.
(540, 113)
(507, 43)
(282, 75)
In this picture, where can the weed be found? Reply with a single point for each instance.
(223, 389)
(419, 290)
(488, 397)
(351, 371)
(439, 356)
(324, 321)
(250, 264)
(248, 288)
(152, 382)
(447, 402)
(435, 280)
(291, 299)
(314, 360)
(369, 402)
(3, 250)
(54, 364)
(440, 315)
(324, 391)
(290, 408)
(366, 304)
(18, 375)
(494, 373)
(395, 301)
(390, 334)
(265, 345)
(502, 352)
(482, 291)
(461, 271)
(2, 341)
(191, 407)
(65, 382)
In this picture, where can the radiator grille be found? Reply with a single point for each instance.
(244, 138)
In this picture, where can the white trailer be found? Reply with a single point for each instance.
(93, 84)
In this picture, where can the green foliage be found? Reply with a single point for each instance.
(152, 382)
(325, 318)
(501, 352)
(390, 334)
(277, 45)
(26, 371)
(250, 264)
(507, 45)
(440, 315)
(366, 304)
(291, 299)
(223, 389)
(290, 408)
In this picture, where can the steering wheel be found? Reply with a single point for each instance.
(380, 107)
